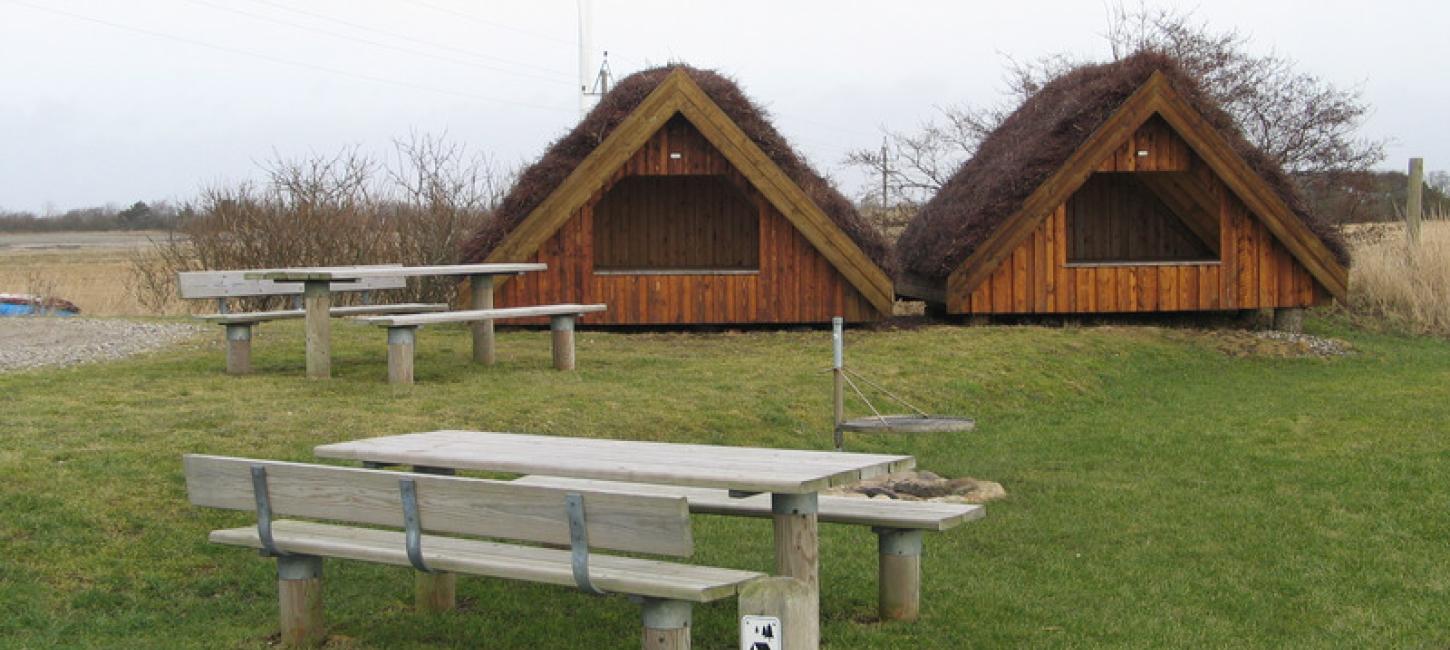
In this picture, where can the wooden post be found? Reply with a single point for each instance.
(666, 624)
(898, 595)
(401, 341)
(299, 595)
(787, 599)
(562, 328)
(1413, 200)
(317, 298)
(1289, 319)
(239, 348)
(838, 369)
(434, 592)
(797, 548)
(483, 341)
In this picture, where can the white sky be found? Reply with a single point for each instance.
(125, 100)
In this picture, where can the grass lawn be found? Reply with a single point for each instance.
(1162, 493)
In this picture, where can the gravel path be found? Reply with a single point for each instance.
(27, 342)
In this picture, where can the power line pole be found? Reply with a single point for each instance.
(885, 172)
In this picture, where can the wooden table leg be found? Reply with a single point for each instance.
(483, 343)
(797, 553)
(317, 297)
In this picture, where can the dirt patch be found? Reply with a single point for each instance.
(32, 342)
(922, 485)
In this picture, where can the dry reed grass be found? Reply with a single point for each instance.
(1405, 288)
(76, 267)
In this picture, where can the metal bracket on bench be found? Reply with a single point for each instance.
(579, 543)
(412, 525)
(264, 512)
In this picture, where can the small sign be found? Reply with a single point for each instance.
(759, 633)
(675, 155)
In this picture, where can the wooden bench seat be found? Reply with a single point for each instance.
(899, 526)
(253, 317)
(403, 336)
(611, 573)
(432, 507)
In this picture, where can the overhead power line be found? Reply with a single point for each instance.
(281, 60)
(491, 23)
(405, 37)
(355, 39)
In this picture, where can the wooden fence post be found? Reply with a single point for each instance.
(1413, 201)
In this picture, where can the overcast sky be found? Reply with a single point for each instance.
(118, 101)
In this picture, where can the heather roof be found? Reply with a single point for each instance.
(541, 178)
(1038, 138)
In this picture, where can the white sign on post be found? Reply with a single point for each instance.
(759, 633)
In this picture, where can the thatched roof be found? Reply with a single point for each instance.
(541, 178)
(1038, 138)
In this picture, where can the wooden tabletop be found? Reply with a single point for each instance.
(357, 273)
(749, 469)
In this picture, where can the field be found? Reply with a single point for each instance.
(90, 269)
(1167, 489)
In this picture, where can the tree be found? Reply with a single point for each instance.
(1305, 123)
(139, 215)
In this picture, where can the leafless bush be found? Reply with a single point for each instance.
(1303, 122)
(339, 210)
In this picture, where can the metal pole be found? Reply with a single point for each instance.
(585, 74)
(1413, 200)
(838, 365)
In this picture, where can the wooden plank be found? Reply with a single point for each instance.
(234, 318)
(624, 575)
(474, 315)
(915, 515)
(360, 272)
(752, 469)
(447, 504)
(234, 284)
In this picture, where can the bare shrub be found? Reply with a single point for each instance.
(340, 210)
(1405, 288)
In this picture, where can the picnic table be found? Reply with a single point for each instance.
(317, 297)
(793, 478)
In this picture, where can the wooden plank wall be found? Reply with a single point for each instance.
(1114, 217)
(676, 222)
(795, 283)
(1256, 271)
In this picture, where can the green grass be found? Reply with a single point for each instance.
(1162, 493)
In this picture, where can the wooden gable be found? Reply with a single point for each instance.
(1155, 117)
(678, 95)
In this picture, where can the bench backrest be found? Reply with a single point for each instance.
(234, 284)
(446, 504)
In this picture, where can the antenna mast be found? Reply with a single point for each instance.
(586, 11)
